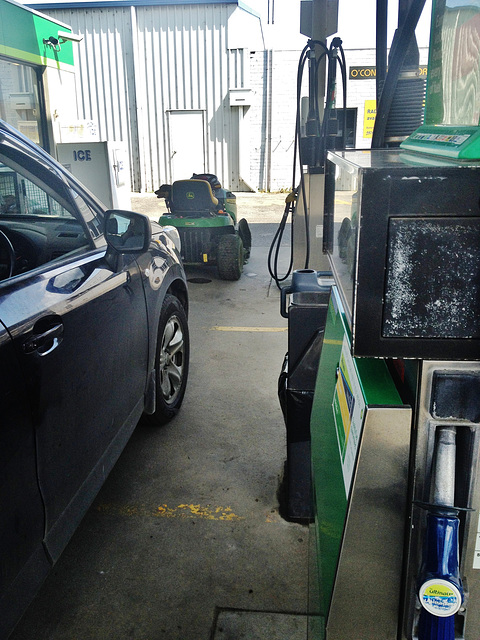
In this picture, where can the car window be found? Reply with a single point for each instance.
(41, 221)
(93, 222)
(21, 197)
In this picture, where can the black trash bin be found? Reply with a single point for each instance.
(307, 316)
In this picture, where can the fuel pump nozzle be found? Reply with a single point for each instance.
(312, 122)
(441, 592)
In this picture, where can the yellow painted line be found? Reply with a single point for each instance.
(343, 201)
(197, 511)
(252, 329)
(207, 512)
(329, 341)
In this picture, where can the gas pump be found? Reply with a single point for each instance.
(395, 418)
(397, 388)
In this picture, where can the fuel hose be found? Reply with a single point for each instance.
(321, 133)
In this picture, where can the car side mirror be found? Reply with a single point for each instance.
(127, 232)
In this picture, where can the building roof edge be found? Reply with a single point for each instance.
(83, 4)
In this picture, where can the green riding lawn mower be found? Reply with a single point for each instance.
(205, 215)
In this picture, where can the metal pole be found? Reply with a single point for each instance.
(381, 46)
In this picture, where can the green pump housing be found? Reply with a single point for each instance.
(360, 438)
(452, 109)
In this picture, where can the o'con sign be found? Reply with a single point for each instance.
(369, 73)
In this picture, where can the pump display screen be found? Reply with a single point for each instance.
(453, 90)
(432, 284)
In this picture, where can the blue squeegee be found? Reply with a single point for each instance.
(441, 592)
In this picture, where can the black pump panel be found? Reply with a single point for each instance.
(456, 394)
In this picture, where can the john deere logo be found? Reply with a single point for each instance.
(190, 195)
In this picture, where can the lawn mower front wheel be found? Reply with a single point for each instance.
(246, 236)
(230, 257)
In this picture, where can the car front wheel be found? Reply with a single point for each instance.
(171, 363)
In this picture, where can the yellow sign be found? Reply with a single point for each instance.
(369, 118)
(369, 73)
(362, 73)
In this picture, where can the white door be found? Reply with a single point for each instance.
(187, 144)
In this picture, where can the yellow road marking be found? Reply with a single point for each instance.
(329, 341)
(180, 511)
(342, 201)
(251, 329)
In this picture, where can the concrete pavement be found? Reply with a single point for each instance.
(185, 540)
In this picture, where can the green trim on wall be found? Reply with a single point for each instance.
(30, 58)
(22, 32)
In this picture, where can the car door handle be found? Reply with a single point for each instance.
(43, 343)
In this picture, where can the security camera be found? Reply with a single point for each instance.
(72, 37)
(52, 41)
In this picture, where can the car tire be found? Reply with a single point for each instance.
(230, 257)
(171, 362)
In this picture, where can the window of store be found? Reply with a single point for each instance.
(20, 99)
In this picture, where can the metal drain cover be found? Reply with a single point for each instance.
(260, 625)
(199, 280)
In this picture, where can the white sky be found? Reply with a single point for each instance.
(356, 23)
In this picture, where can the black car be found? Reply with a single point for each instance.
(93, 336)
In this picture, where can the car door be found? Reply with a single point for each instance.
(79, 330)
(22, 516)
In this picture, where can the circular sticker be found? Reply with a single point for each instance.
(440, 597)
(190, 195)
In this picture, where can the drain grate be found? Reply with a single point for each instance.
(199, 280)
(234, 624)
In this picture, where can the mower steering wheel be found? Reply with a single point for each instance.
(7, 257)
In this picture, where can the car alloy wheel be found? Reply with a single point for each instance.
(171, 360)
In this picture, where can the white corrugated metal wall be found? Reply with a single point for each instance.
(105, 73)
(135, 65)
(181, 66)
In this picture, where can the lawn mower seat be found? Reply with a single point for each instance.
(193, 198)
(210, 178)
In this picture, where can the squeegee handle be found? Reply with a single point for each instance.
(284, 292)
